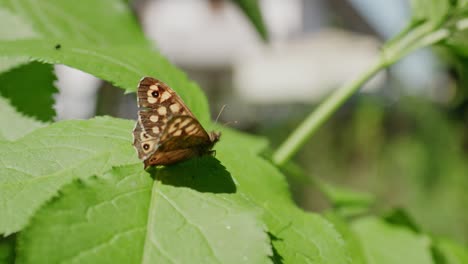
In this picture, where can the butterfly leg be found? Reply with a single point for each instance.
(212, 153)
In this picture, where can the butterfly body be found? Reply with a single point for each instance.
(166, 131)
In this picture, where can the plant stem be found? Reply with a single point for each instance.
(419, 36)
(305, 130)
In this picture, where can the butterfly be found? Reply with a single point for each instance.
(166, 131)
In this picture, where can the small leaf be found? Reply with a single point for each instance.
(400, 217)
(251, 9)
(30, 89)
(18, 125)
(346, 200)
(95, 219)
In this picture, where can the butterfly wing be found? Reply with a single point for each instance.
(166, 131)
(157, 103)
(183, 138)
(158, 96)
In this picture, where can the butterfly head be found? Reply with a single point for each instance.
(214, 137)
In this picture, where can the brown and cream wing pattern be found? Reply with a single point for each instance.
(166, 131)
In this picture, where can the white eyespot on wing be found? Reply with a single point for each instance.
(162, 110)
(147, 146)
(156, 130)
(174, 108)
(166, 95)
(154, 118)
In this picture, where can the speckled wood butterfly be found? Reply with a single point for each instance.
(166, 131)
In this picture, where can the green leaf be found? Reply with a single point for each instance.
(95, 219)
(7, 250)
(348, 202)
(30, 89)
(66, 20)
(18, 125)
(251, 9)
(8, 63)
(13, 28)
(400, 217)
(453, 253)
(389, 244)
(124, 66)
(434, 11)
(85, 38)
(36, 166)
(77, 149)
(352, 242)
(297, 236)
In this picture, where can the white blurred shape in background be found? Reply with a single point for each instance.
(307, 69)
(294, 66)
(419, 71)
(77, 96)
(192, 34)
(284, 70)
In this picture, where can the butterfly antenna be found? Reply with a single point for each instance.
(231, 122)
(221, 111)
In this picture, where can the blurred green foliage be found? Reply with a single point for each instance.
(411, 153)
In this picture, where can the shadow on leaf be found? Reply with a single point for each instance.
(204, 174)
(276, 258)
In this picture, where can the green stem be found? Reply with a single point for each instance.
(321, 114)
(421, 35)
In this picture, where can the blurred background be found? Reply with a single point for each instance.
(403, 138)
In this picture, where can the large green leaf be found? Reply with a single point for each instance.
(126, 217)
(352, 242)
(124, 66)
(389, 244)
(105, 22)
(86, 38)
(18, 125)
(30, 89)
(297, 236)
(36, 166)
(78, 149)
(13, 27)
